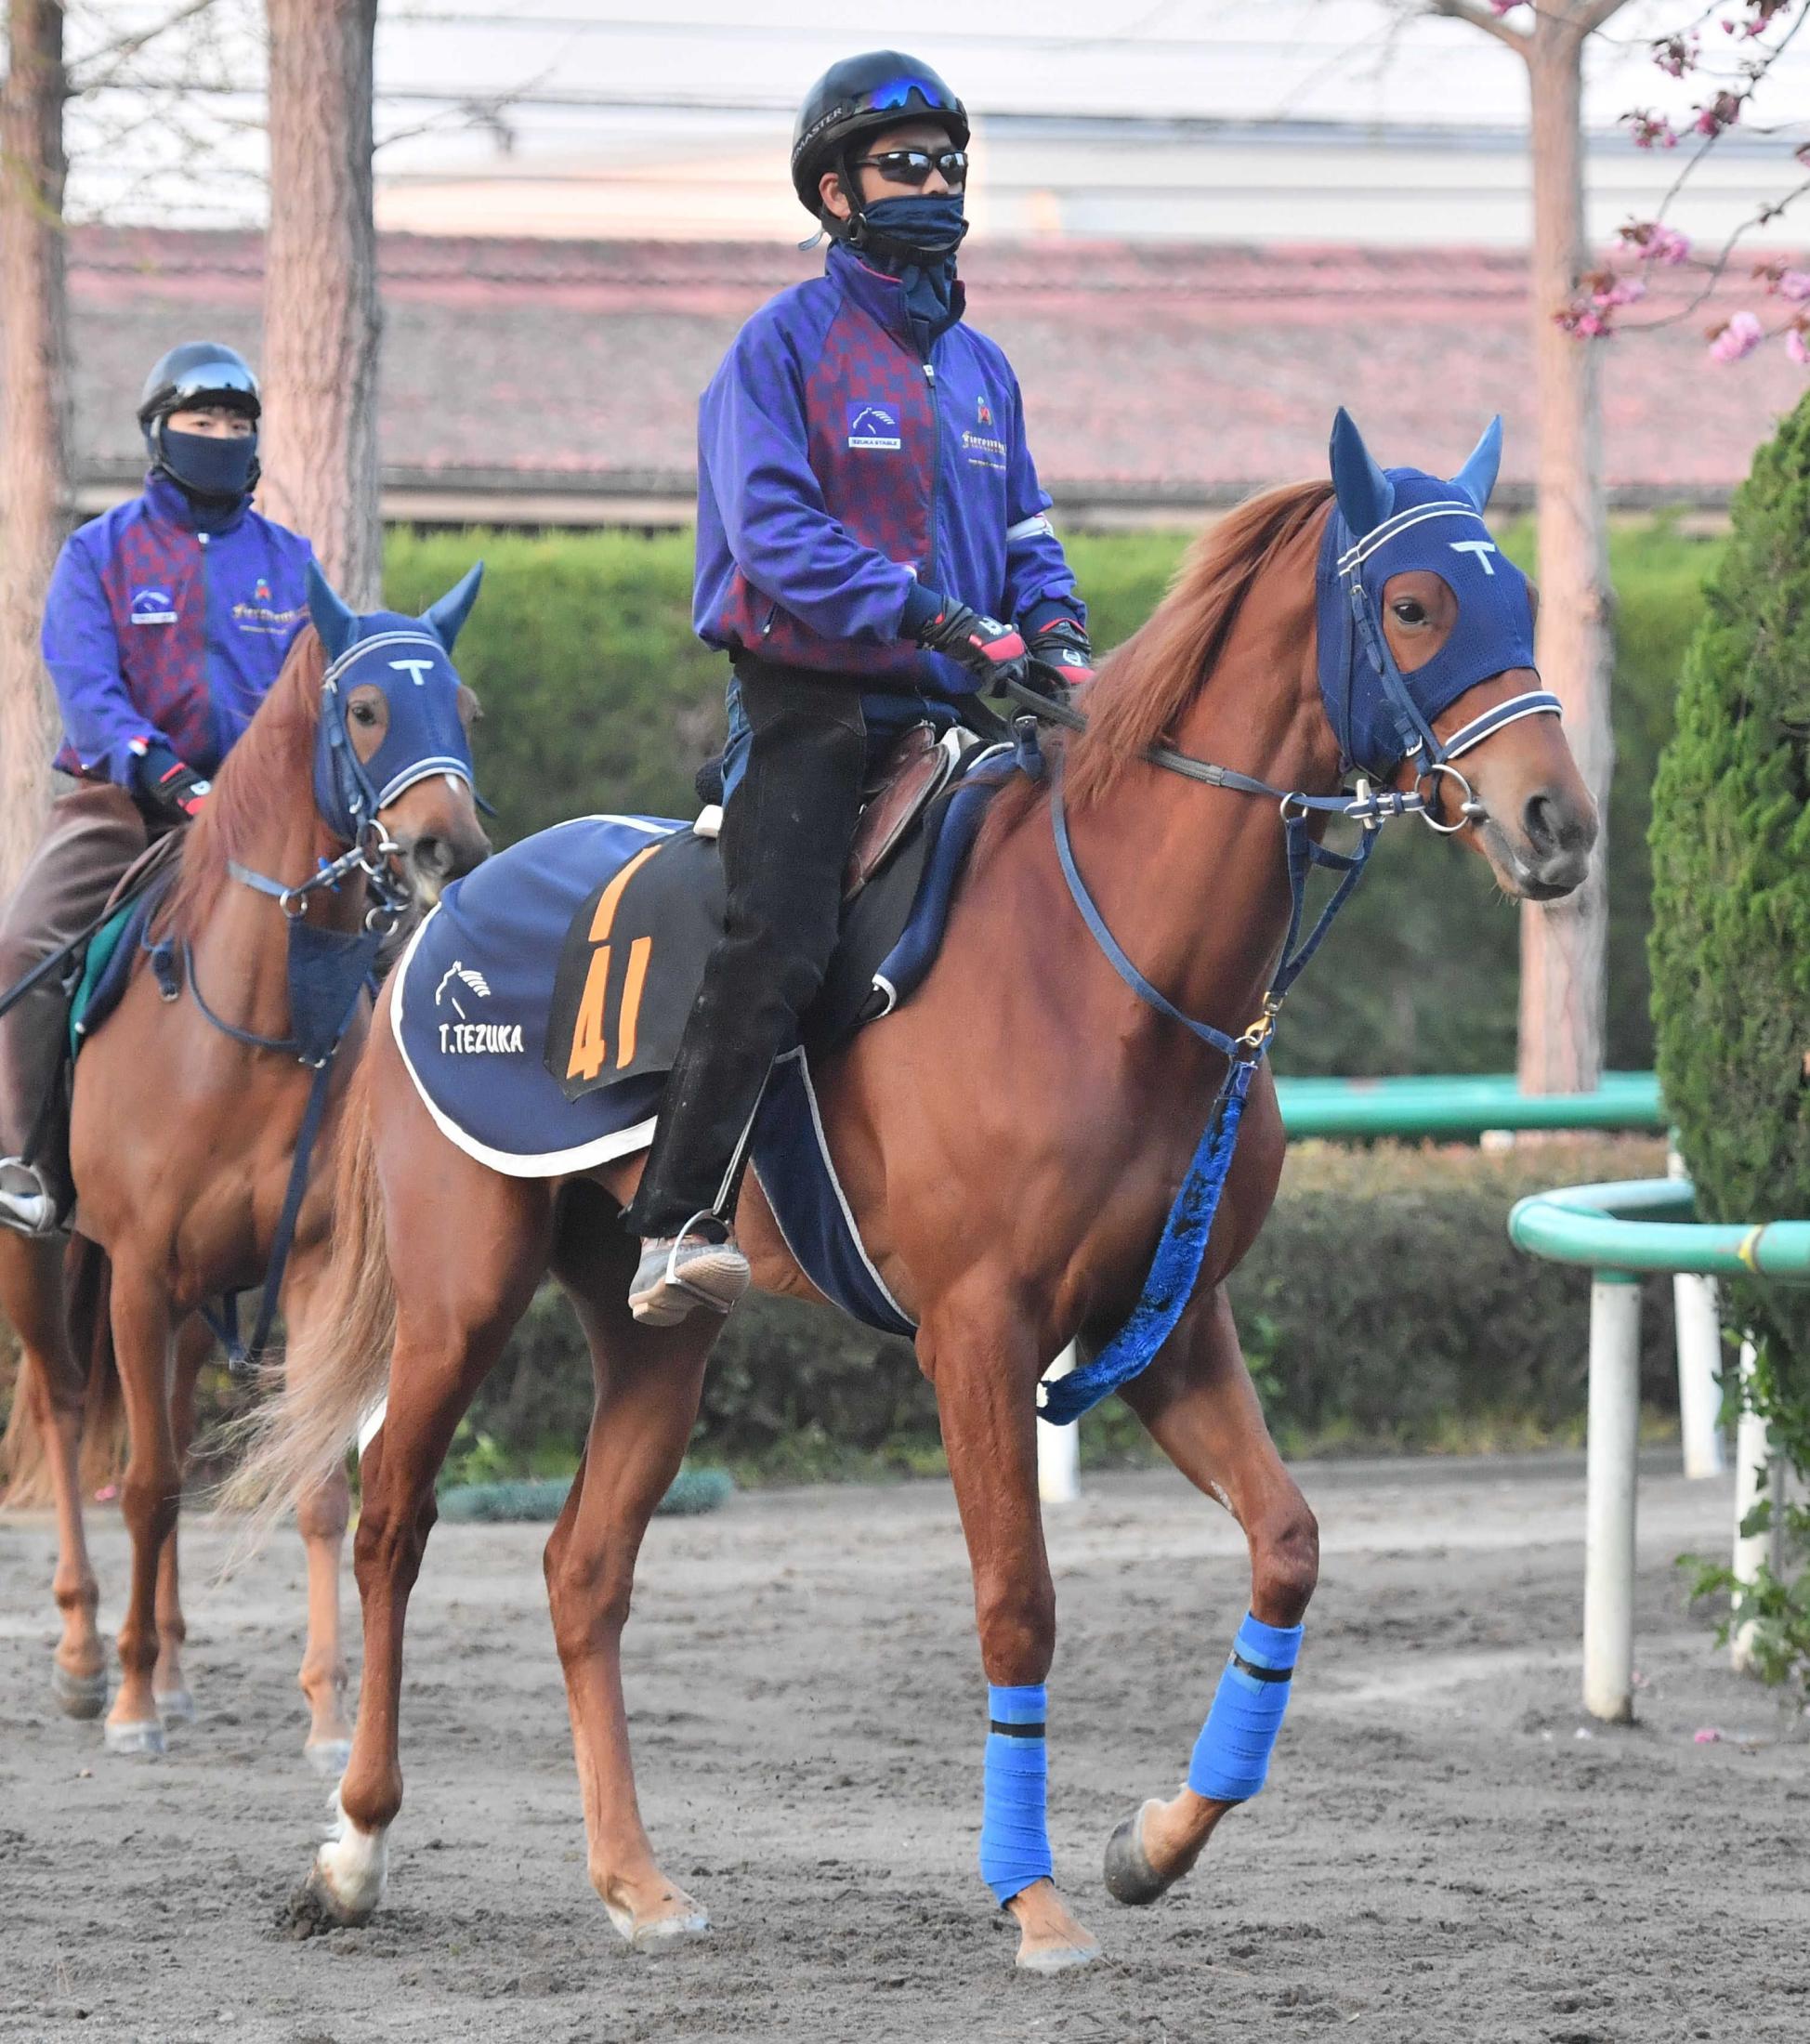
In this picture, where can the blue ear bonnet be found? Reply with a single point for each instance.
(410, 660)
(1383, 522)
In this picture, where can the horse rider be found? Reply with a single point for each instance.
(872, 546)
(167, 621)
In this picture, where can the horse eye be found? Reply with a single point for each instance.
(1409, 610)
(363, 714)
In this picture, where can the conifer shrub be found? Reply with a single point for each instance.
(1731, 945)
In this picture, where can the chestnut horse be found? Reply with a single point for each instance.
(186, 1107)
(1010, 1141)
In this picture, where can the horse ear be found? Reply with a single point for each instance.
(1365, 495)
(335, 621)
(446, 619)
(1477, 478)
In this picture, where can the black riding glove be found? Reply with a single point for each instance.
(169, 785)
(994, 652)
(1063, 644)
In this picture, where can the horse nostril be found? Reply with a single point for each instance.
(431, 856)
(1539, 820)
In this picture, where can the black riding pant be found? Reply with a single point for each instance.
(92, 834)
(787, 829)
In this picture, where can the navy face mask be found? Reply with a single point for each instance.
(409, 659)
(1387, 522)
(916, 239)
(206, 467)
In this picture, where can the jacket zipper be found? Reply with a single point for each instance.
(936, 465)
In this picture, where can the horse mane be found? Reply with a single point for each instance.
(1150, 680)
(258, 777)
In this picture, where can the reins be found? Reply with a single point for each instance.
(1175, 1268)
(333, 968)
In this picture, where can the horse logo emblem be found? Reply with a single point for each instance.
(463, 973)
(874, 425)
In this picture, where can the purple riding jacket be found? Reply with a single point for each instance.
(154, 629)
(836, 464)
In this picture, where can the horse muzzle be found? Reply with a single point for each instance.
(1545, 853)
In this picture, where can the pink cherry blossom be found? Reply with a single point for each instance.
(1624, 291)
(1794, 284)
(1797, 345)
(1739, 337)
(1504, 7)
(1666, 244)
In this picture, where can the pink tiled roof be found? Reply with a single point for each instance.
(1152, 372)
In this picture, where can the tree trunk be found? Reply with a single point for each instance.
(321, 317)
(1564, 946)
(33, 411)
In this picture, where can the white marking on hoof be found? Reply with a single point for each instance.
(143, 1739)
(328, 1756)
(174, 1706)
(78, 1696)
(1057, 1958)
(351, 1867)
(659, 1933)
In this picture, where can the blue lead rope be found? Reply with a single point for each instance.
(1176, 1269)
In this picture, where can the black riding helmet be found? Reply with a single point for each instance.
(860, 97)
(196, 372)
(199, 372)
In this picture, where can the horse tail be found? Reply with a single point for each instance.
(337, 1362)
(25, 1452)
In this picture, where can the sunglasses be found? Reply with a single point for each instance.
(912, 167)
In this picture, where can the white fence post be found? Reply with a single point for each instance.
(1058, 1448)
(1613, 1444)
(1699, 1362)
(1753, 1456)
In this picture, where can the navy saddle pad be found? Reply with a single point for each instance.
(540, 1006)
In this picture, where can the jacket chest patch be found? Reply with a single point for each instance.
(153, 605)
(874, 426)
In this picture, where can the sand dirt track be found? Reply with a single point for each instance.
(1438, 1857)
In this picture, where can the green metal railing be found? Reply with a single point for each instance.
(1644, 1224)
(1407, 1107)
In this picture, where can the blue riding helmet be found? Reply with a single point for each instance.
(1385, 522)
(409, 659)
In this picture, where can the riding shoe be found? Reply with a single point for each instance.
(677, 1273)
(26, 1203)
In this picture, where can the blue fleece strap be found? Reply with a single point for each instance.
(1232, 1756)
(1015, 1839)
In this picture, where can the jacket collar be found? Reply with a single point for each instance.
(171, 505)
(881, 296)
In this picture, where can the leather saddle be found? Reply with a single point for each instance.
(906, 778)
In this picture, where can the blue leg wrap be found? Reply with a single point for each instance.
(1232, 1756)
(1014, 1837)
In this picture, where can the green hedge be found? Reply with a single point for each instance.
(1381, 1308)
(598, 696)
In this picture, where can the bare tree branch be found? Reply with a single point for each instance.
(128, 46)
(1481, 17)
(1597, 12)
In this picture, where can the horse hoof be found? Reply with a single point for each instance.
(143, 1739)
(1130, 1878)
(349, 1871)
(659, 1933)
(1056, 1959)
(328, 1756)
(174, 1706)
(314, 1910)
(78, 1696)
